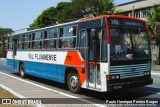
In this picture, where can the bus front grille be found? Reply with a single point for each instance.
(129, 71)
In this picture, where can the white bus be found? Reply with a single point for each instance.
(104, 53)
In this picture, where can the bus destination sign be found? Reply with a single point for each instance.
(125, 22)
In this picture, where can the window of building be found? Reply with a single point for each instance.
(137, 14)
(37, 40)
(67, 38)
(145, 12)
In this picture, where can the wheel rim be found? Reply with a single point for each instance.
(73, 81)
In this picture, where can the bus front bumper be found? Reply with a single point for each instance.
(128, 84)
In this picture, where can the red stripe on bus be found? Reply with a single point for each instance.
(73, 59)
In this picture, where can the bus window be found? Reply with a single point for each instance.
(26, 41)
(37, 40)
(52, 33)
(50, 38)
(104, 46)
(19, 42)
(45, 34)
(67, 42)
(67, 37)
(91, 44)
(10, 43)
(83, 43)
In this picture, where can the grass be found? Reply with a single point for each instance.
(6, 94)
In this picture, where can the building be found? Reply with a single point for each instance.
(137, 8)
(140, 9)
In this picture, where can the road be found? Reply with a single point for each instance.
(150, 91)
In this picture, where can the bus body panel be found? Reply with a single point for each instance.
(49, 68)
(10, 63)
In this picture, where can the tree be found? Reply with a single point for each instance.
(91, 8)
(67, 11)
(3, 36)
(46, 18)
(154, 26)
(71, 11)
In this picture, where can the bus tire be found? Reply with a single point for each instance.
(73, 82)
(22, 71)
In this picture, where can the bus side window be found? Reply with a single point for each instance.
(50, 39)
(26, 41)
(45, 37)
(33, 34)
(37, 40)
(19, 42)
(10, 43)
(82, 43)
(67, 37)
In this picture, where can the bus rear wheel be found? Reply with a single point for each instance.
(22, 71)
(73, 82)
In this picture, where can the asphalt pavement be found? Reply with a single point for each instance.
(32, 87)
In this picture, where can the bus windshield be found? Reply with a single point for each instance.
(129, 43)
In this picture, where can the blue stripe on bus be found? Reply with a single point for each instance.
(50, 71)
(13, 63)
(10, 62)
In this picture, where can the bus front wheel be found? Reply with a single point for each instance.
(73, 82)
(22, 71)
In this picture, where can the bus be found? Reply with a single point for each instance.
(104, 53)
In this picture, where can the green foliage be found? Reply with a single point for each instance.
(2, 52)
(46, 18)
(154, 24)
(67, 11)
(154, 27)
(91, 8)
(71, 11)
(3, 37)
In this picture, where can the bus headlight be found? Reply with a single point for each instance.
(113, 77)
(146, 73)
(117, 76)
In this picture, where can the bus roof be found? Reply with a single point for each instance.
(83, 20)
(112, 16)
(48, 27)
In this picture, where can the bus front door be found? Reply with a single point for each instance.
(94, 58)
(14, 53)
(89, 51)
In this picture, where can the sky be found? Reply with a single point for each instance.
(19, 14)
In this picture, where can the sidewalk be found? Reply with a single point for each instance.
(25, 89)
(3, 58)
(156, 68)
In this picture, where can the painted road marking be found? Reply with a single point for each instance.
(49, 89)
(153, 92)
(17, 94)
(11, 91)
(155, 73)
